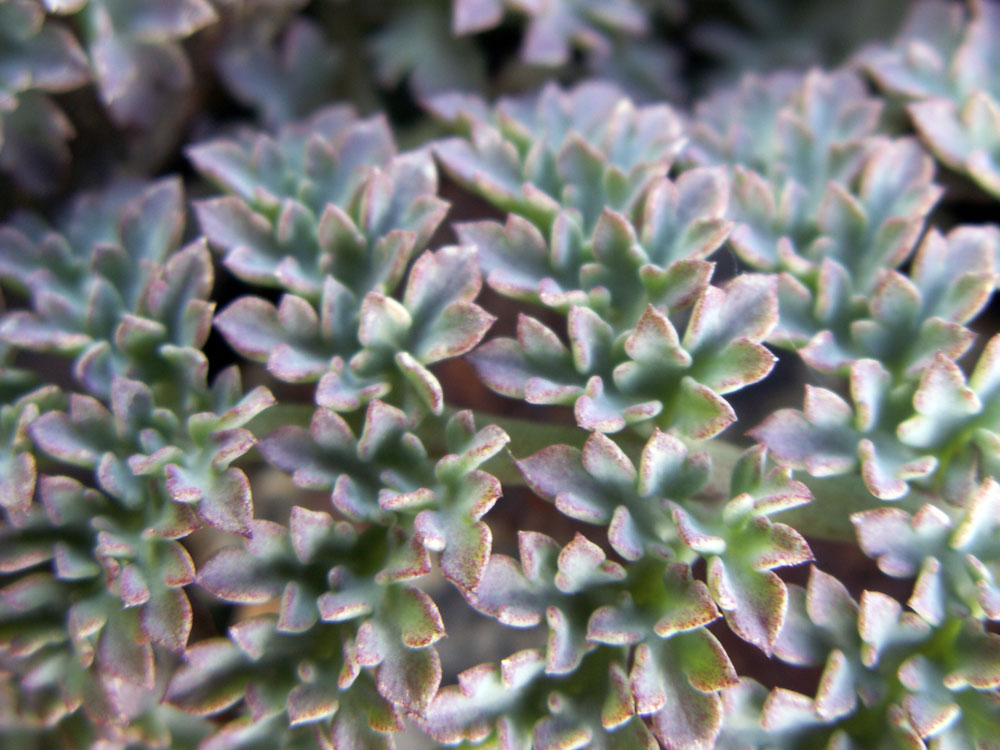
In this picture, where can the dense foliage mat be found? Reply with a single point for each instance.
(499, 373)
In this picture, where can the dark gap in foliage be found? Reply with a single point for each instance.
(770, 671)
(500, 405)
(963, 202)
(210, 616)
(400, 105)
(985, 326)
(508, 310)
(471, 633)
(848, 564)
(520, 509)
(727, 265)
(467, 391)
(699, 569)
(228, 288)
(51, 368)
(499, 46)
(220, 356)
(782, 389)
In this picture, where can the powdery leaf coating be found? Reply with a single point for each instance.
(191, 688)
(231, 574)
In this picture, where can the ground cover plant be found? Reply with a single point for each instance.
(499, 374)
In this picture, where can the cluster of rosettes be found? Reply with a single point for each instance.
(129, 51)
(944, 67)
(797, 175)
(102, 482)
(312, 621)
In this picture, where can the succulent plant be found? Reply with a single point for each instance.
(520, 462)
(37, 58)
(942, 65)
(128, 50)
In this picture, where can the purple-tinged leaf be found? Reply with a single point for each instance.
(929, 597)
(122, 652)
(230, 224)
(254, 634)
(210, 681)
(741, 363)
(694, 535)
(778, 545)
(619, 705)
(505, 593)
(513, 256)
(625, 535)
(384, 322)
(654, 341)
(18, 553)
(17, 483)
(612, 626)
(836, 696)
(606, 462)
(596, 412)
(419, 620)
(311, 703)
(297, 611)
(888, 535)
(800, 641)
(747, 307)
(384, 423)
(422, 380)
(134, 589)
(560, 733)
(344, 605)
(566, 645)
(56, 434)
(682, 716)
(786, 709)
(691, 605)
(823, 449)
(828, 602)
(590, 339)
(471, 16)
(754, 603)
(28, 331)
(678, 285)
(557, 473)
(353, 731)
(166, 618)
(664, 462)
(234, 575)
(307, 531)
(250, 325)
(465, 546)
(226, 502)
(404, 676)
(879, 616)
